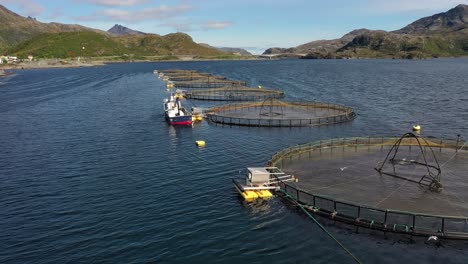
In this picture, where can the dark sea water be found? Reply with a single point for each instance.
(91, 172)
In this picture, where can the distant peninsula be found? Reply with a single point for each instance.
(440, 35)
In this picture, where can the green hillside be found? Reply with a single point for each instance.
(15, 29)
(440, 35)
(22, 36)
(69, 44)
(388, 44)
(171, 44)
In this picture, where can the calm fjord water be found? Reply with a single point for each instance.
(91, 172)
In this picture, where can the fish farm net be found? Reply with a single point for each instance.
(207, 83)
(342, 179)
(179, 76)
(194, 79)
(274, 113)
(176, 71)
(234, 93)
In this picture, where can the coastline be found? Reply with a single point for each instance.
(9, 69)
(42, 64)
(63, 63)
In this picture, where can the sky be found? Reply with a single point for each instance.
(251, 24)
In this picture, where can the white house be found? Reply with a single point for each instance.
(12, 59)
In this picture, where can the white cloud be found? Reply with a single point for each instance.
(179, 26)
(396, 6)
(216, 25)
(146, 14)
(114, 2)
(26, 7)
(187, 25)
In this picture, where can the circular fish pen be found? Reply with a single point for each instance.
(187, 75)
(207, 83)
(234, 93)
(407, 185)
(196, 77)
(176, 71)
(274, 113)
(191, 79)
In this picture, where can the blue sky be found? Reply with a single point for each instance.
(254, 25)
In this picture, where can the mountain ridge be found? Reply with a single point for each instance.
(446, 21)
(118, 30)
(16, 28)
(442, 34)
(22, 36)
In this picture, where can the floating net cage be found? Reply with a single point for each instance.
(410, 185)
(178, 76)
(208, 83)
(170, 72)
(234, 93)
(194, 79)
(275, 113)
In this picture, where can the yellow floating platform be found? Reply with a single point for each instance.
(197, 118)
(252, 195)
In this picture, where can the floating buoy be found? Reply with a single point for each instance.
(200, 143)
(416, 128)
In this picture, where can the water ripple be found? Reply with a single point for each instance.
(90, 171)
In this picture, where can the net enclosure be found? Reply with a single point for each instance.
(275, 113)
(194, 79)
(234, 93)
(207, 83)
(346, 180)
(183, 75)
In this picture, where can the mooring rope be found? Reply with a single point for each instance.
(321, 226)
(453, 156)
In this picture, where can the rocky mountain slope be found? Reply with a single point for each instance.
(119, 30)
(443, 34)
(453, 20)
(320, 45)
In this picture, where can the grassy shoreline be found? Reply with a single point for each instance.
(5, 69)
(100, 61)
